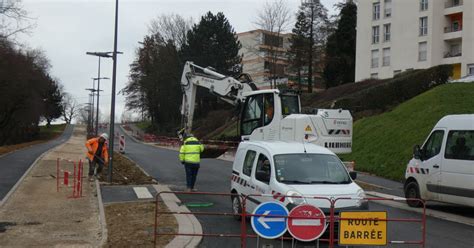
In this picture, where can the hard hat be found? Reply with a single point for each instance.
(105, 136)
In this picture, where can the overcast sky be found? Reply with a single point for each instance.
(67, 29)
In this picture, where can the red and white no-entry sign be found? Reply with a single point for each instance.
(306, 222)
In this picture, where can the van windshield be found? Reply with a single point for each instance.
(310, 169)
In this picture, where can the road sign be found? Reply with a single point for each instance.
(363, 228)
(272, 222)
(306, 222)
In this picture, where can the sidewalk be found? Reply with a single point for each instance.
(36, 215)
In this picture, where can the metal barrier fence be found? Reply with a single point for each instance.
(66, 173)
(332, 219)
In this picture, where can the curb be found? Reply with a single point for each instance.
(103, 223)
(429, 212)
(33, 165)
(187, 223)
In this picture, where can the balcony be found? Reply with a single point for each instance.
(452, 54)
(453, 28)
(453, 3)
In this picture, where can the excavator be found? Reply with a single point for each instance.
(269, 115)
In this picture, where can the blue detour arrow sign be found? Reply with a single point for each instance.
(270, 221)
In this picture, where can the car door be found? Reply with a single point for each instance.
(262, 176)
(245, 181)
(430, 169)
(457, 171)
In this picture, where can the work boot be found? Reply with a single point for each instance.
(189, 190)
(194, 190)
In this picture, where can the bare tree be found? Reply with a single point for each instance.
(171, 27)
(69, 108)
(275, 18)
(13, 19)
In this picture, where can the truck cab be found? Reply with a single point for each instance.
(277, 170)
(442, 169)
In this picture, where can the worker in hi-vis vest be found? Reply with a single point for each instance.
(190, 157)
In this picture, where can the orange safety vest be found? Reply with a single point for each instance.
(93, 144)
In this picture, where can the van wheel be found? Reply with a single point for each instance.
(236, 208)
(413, 191)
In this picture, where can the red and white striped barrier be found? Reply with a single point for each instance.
(122, 144)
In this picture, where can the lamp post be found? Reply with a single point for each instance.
(112, 106)
(98, 94)
(92, 97)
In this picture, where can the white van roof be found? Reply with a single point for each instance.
(457, 122)
(281, 147)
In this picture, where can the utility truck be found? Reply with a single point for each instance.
(267, 115)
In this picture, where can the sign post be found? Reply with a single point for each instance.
(270, 222)
(306, 222)
(363, 228)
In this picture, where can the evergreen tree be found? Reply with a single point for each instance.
(312, 25)
(299, 43)
(340, 48)
(213, 42)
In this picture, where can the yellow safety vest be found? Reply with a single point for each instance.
(190, 151)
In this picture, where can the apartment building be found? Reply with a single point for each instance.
(398, 35)
(264, 56)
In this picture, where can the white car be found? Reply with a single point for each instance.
(280, 169)
(443, 168)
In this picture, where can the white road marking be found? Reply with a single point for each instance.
(142, 192)
(429, 212)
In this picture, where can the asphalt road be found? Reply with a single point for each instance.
(214, 176)
(13, 165)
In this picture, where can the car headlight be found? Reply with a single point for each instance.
(361, 197)
(295, 200)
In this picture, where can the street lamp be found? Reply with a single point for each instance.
(98, 94)
(112, 105)
(91, 100)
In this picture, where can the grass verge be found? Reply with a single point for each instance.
(46, 134)
(383, 144)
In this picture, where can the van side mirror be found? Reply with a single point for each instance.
(353, 175)
(262, 177)
(417, 152)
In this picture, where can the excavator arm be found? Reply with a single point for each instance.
(226, 88)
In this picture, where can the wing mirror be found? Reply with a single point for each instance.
(417, 152)
(353, 175)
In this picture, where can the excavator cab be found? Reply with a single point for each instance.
(273, 115)
(265, 108)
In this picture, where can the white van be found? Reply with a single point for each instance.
(443, 168)
(280, 169)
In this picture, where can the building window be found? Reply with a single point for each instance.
(375, 34)
(386, 32)
(374, 75)
(272, 40)
(386, 57)
(376, 11)
(375, 59)
(387, 9)
(422, 51)
(470, 69)
(423, 26)
(423, 5)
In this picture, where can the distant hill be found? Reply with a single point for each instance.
(383, 144)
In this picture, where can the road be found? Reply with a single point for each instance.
(14, 165)
(214, 176)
